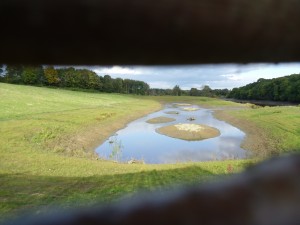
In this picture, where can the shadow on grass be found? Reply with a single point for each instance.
(28, 192)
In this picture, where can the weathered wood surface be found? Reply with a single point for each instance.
(149, 32)
(267, 194)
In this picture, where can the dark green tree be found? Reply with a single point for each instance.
(176, 91)
(13, 74)
(118, 85)
(67, 77)
(194, 92)
(1, 73)
(277, 89)
(108, 84)
(94, 80)
(32, 75)
(206, 91)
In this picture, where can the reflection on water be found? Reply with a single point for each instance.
(140, 141)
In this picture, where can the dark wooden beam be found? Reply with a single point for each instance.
(266, 194)
(149, 32)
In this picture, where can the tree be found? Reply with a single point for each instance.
(28, 76)
(118, 85)
(176, 90)
(144, 88)
(126, 85)
(71, 77)
(1, 71)
(13, 74)
(51, 75)
(66, 77)
(206, 91)
(221, 92)
(94, 80)
(107, 84)
(32, 74)
(277, 89)
(194, 92)
(81, 78)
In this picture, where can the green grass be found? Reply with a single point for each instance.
(280, 124)
(203, 101)
(63, 121)
(47, 142)
(92, 183)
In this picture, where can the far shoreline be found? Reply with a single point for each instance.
(262, 102)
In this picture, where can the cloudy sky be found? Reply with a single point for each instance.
(216, 76)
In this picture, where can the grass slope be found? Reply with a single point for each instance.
(46, 149)
(271, 130)
(203, 101)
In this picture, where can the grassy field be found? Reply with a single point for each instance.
(203, 101)
(270, 130)
(47, 142)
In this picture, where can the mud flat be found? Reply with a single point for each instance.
(182, 104)
(172, 112)
(160, 119)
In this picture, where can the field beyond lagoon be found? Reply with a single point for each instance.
(48, 138)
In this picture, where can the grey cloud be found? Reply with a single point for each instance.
(187, 76)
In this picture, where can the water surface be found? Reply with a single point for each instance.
(138, 140)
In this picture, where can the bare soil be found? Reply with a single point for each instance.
(182, 104)
(172, 112)
(189, 132)
(91, 136)
(160, 119)
(256, 141)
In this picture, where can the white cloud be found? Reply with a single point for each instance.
(117, 70)
(188, 76)
(233, 77)
(159, 84)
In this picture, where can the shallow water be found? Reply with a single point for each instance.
(138, 140)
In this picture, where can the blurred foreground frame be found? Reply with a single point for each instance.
(147, 32)
(106, 32)
(266, 194)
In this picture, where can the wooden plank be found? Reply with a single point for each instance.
(149, 32)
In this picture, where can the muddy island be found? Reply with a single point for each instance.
(189, 132)
(160, 119)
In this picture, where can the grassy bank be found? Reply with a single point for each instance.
(46, 149)
(203, 101)
(270, 130)
(63, 121)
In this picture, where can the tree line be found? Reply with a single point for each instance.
(71, 78)
(204, 91)
(277, 89)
